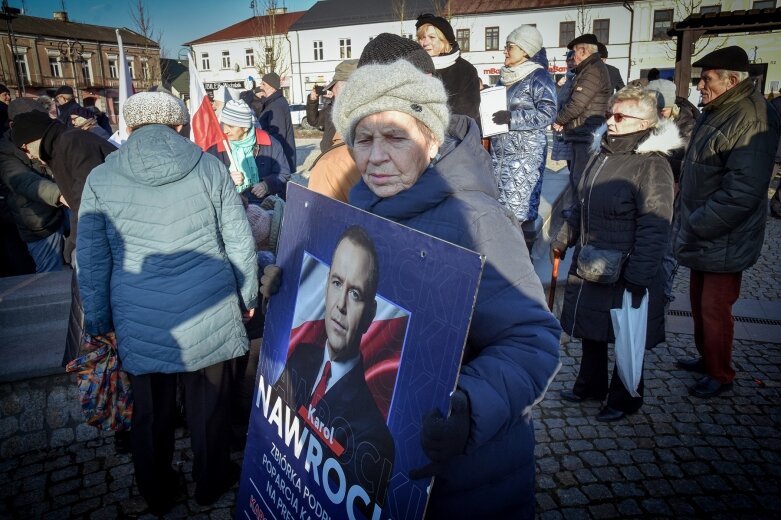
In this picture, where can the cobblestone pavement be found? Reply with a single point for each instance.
(677, 457)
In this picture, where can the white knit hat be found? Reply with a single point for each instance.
(236, 113)
(528, 38)
(398, 86)
(146, 108)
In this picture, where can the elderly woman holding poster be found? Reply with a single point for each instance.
(426, 169)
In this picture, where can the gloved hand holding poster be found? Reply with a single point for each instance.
(363, 339)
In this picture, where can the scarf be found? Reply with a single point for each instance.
(444, 61)
(512, 75)
(243, 152)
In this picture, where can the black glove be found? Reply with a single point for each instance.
(502, 117)
(561, 247)
(443, 439)
(269, 282)
(638, 291)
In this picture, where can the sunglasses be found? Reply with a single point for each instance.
(618, 116)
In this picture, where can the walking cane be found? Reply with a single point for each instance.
(554, 278)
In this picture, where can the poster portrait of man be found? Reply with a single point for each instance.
(325, 375)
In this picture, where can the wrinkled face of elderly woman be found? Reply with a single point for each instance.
(391, 151)
(626, 117)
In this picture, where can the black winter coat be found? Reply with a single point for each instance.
(321, 118)
(463, 88)
(33, 196)
(72, 154)
(275, 119)
(585, 110)
(722, 205)
(626, 205)
(685, 122)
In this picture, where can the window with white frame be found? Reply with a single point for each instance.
(205, 65)
(145, 72)
(462, 37)
(226, 59)
(270, 62)
(318, 47)
(86, 70)
(55, 67)
(131, 67)
(345, 48)
(249, 58)
(21, 65)
(113, 70)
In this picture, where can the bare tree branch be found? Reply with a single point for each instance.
(272, 56)
(144, 26)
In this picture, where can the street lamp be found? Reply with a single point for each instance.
(70, 50)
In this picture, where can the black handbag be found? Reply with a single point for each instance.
(600, 265)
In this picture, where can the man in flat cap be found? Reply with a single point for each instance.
(274, 117)
(66, 104)
(584, 112)
(321, 118)
(722, 206)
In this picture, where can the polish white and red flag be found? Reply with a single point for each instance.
(205, 129)
(380, 346)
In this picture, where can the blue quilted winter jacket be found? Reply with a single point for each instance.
(165, 255)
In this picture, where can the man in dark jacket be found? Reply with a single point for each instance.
(34, 198)
(275, 117)
(584, 112)
(616, 81)
(71, 155)
(66, 104)
(321, 118)
(722, 206)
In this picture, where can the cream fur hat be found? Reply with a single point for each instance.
(147, 108)
(398, 86)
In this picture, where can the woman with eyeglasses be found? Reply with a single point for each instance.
(436, 36)
(518, 156)
(620, 225)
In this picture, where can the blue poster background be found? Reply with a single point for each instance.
(437, 282)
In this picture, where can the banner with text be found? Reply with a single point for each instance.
(364, 338)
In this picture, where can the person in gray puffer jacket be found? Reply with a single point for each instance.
(518, 156)
(166, 259)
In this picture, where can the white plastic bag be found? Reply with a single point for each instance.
(629, 326)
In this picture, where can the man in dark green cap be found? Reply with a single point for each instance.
(722, 206)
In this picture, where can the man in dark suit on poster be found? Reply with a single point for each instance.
(329, 383)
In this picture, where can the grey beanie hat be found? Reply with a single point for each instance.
(398, 86)
(665, 92)
(147, 108)
(236, 113)
(528, 38)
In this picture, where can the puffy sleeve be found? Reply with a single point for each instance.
(236, 236)
(654, 207)
(513, 345)
(94, 263)
(542, 110)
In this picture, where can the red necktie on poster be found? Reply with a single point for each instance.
(322, 385)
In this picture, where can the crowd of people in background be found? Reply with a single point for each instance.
(654, 183)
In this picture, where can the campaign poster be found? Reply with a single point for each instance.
(363, 339)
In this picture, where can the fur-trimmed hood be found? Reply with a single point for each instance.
(664, 139)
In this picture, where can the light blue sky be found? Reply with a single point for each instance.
(179, 20)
